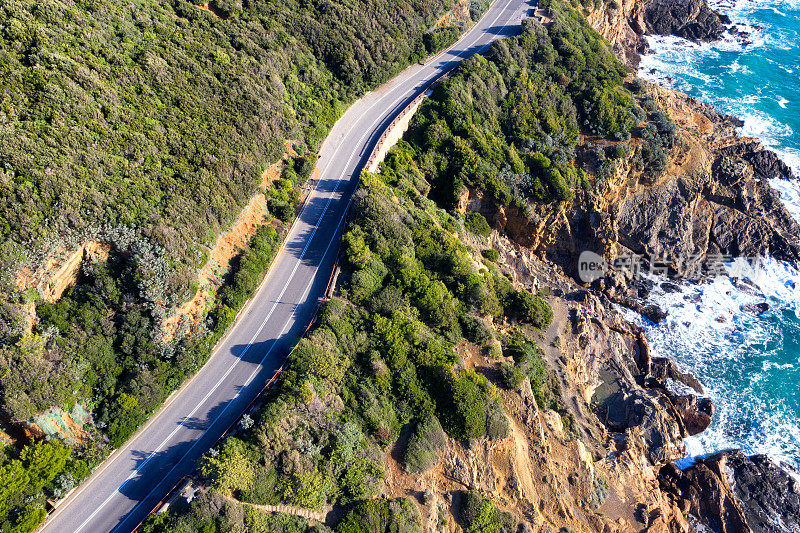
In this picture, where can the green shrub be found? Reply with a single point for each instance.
(528, 357)
(480, 515)
(599, 491)
(229, 470)
(532, 309)
(304, 166)
(491, 254)
(477, 8)
(511, 375)
(494, 350)
(462, 404)
(476, 329)
(361, 480)
(283, 210)
(367, 281)
(423, 446)
(477, 224)
(319, 358)
(257, 521)
(308, 489)
(440, 38)
(263, 490)
(381, 516)
(29, 519)
(497, 425)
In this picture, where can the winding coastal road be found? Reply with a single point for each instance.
(130, 483)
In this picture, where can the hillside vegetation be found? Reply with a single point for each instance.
(379, 361)
(378, 378)
(147, 126)
(162, 116)
(511, 125)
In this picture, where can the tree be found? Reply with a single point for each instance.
(15, 479)
(231, 469)
(44, 461)
(319, 357)
(29, 519)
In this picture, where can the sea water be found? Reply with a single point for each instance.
(749, 365)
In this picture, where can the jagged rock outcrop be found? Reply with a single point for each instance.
(710, 204)
(690, 19)
(60, 271)
(730, 492)
(767, 493)
(624, 23)
(712, 200)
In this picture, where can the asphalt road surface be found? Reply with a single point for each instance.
(125, 488)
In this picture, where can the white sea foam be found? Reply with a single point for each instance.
(759, 124)
(791, 157)
(738, 8)
(746, 362)
(771, 365)
(708, 332)
(790, 195)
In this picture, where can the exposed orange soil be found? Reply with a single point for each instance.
(211, 9)
(228, 245)
(60, 271)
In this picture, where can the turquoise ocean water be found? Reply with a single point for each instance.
(749, 365)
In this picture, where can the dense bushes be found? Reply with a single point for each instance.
(423, 446)
(382, 516)
(480, 515)
(252, 264)
(528, 362)
(476, 223)
(532, 309)
(30, 475)
(377, 363)
(98, 342)
(162, 117)
(508, 124)
(143, 126)
(100, 337)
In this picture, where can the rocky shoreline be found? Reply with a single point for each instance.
(719, 204)
(710, 200)
(730, 492)
(625, 26)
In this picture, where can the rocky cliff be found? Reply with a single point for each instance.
(712, 200)
(595, 468)
(613, 470)
(730, 492)
(624, 23)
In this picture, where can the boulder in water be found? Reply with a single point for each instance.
(756, 309)
(696, 412)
